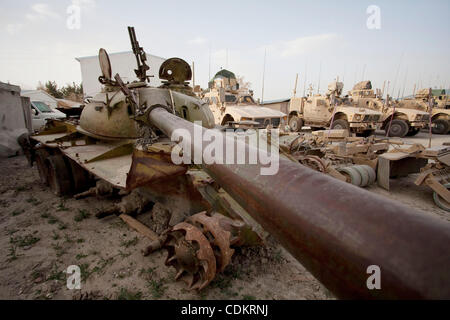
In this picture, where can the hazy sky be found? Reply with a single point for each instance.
(328, 38)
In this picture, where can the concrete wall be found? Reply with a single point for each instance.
(12, 120)
(123, 63)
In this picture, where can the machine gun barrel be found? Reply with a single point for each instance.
(142, 67)
(337, 230)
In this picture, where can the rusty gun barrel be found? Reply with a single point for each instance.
(337, 230)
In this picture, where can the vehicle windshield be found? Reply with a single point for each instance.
(246, 99)
(42, 106)
(230, 98)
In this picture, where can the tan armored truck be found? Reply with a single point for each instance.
(440, 111)
(232, 105)
(399, 118)
(318, 111)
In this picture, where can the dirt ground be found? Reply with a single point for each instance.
(41, 235)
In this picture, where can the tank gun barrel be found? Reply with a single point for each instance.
(337, 230)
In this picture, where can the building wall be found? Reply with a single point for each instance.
(122, 63)
(12, 121)
(39, 95)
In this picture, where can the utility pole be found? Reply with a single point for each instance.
(264, 71)
(193, 74)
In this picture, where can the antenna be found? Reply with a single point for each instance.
(396, 74)
(264, 71)
(320, 72)
(404, 83)
(304, 82)
(295, 86)
(364, 71)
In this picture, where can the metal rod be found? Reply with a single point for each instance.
(337, 230)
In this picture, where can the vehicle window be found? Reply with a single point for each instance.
(42, 106)
(321, 103)
(247, 99)
(230, 98)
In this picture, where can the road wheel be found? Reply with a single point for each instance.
(59, 177)
(41, 156)
(295, 123)
(340, 124)
(440, 126)
(80, 176)
(353, 174)
(441, 203)
(412, 131)
(399, 128)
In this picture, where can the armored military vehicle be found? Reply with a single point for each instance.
(399, 118)
(124, 142)
(235, 106)
(440, 109)
(325, 111)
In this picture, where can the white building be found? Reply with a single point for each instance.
(41, 95)
(123, 63)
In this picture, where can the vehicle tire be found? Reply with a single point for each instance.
(355, 176)
(295, 123)
(80, 176)
(371, 172)
(340, 124)
(399, 128)
(412, 132)
(41, 156)
(365, 177)
(441, 203)
(59, 176)
(440, 126)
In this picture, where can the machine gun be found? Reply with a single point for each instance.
(141, 71)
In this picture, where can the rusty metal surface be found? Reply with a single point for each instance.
(148, 167)
(191, 255)
(337, 230)
(222, 237)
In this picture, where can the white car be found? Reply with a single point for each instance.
(41, 112)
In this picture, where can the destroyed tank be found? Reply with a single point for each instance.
(397, 117)
(234, 106)
(215, 208)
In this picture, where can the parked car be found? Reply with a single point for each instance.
(41, 112)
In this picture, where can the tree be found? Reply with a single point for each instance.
(72, 91)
